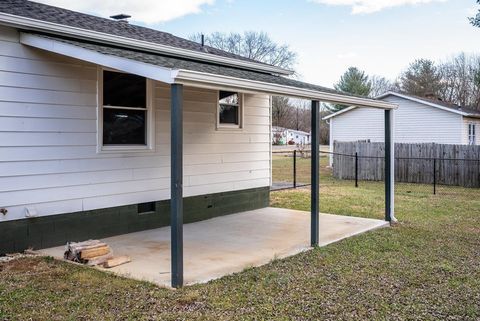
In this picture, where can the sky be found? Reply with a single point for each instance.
(380, 37)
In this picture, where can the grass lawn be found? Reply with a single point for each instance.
(425, 268)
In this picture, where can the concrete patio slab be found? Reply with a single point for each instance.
(227, 244)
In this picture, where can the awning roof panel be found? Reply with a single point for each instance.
(178, 70)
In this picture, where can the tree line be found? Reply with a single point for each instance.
(455, 80)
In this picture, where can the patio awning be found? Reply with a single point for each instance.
(183, 71)
(174, 70)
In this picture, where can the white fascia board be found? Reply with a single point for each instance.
(123, 64)
(199, 79)
(420, 101)
(339, 112)
(79, 33)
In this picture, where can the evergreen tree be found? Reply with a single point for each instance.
(475, 20)
(355, 82)
(421, 78)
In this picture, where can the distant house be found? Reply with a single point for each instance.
(417, 120)
(284, 136)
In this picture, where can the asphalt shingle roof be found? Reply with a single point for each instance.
(449, 105)
(70, 18)
(180, 63)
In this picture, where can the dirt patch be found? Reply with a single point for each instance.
(21, 265)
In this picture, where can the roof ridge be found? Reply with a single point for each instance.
(89, 22)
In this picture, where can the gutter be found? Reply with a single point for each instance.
(199, 79)
(79, 33)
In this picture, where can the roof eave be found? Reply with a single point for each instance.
(473, 116)
(200, 79)
(339, 112)
(194, 78)
(79, 33)
(162, 74)
(427, 103)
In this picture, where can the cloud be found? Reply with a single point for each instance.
(146, 11)
(369, 6)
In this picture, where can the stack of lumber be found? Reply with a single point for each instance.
(93, 252)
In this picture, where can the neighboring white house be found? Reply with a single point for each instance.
(417, 120)
(283, 136)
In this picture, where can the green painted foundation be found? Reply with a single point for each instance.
(54, 230)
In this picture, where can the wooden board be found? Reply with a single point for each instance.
(94, 252)
(116, 261)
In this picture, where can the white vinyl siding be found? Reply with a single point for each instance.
(48, 145)
(359, 124)
(414, 123)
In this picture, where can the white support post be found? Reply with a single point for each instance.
(392, 166)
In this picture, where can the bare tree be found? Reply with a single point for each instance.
(258, 46)
(380, 85)
(460, 78)
(251, 44)
(282, 112)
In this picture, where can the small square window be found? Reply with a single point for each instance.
(229, 109)
(146, 208)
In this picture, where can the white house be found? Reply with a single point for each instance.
(417, 120)
(108, 128)
(283, 136)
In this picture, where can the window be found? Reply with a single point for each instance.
(472, 135)
(124, 114)
(229, 109)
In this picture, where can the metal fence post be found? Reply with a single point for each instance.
(356, 169)
(295, 168)
(315, 177)
(434, 176)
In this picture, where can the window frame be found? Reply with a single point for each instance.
(149, 124)
(472, 133)
(226, 126)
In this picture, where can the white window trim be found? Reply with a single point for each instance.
(240, 114)
(472, 133)
(150, 135)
